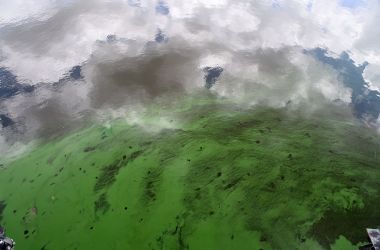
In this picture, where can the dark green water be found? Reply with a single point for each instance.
(219, 177)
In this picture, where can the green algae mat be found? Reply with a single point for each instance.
(219, 177)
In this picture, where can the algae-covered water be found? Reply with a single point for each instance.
(215, 177)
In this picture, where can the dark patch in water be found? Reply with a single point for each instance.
(151, 184)
(178, 235)
(249, 123)
(2, 208)
(198, 191)
(108, 175)
(233, 183)
(263, 238)
(101, 204)
(181, 241)
(89, 149)
(350, 223)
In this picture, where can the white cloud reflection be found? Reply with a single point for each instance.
(258, 43)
